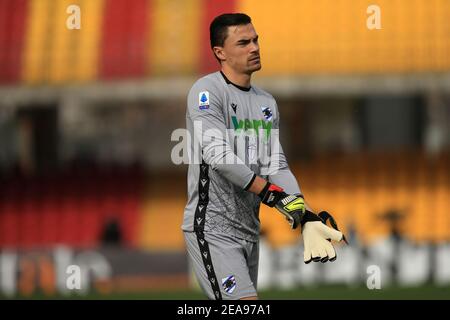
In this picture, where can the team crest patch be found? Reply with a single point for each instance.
(267, 113)
(203, 100)
(229, 284)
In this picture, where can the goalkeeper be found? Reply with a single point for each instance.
(228, 183)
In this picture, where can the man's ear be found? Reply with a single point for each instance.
(219, 52)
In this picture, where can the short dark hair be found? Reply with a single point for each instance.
(218, 30)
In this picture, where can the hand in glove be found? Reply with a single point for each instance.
(317, 235)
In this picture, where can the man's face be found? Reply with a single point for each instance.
(241, 49)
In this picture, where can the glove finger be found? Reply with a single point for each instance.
(315, 255)
(331, 253)
(307, 255)
(323, 260)
(323, 254)
(330, 233)
(307, 251)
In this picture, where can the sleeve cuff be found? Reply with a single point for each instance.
(250, 182)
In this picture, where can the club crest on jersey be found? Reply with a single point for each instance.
(203, 100)
(267, 113)
(229, 284)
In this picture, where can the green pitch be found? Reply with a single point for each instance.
(317, 293)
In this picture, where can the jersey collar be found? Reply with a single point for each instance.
(237, 86)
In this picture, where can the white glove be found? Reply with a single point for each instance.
(317, 237)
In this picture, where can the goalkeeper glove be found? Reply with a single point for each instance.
(317, 235)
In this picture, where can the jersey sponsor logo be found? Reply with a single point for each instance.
(247, 124)
(267, 113)
(203, 100)
(229, 284)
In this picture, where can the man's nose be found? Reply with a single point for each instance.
(254, 47)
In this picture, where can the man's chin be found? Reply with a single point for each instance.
(255, 67)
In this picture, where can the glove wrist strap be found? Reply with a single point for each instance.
(309, 216)
(271, 194)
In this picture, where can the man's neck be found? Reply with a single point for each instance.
(240, 79)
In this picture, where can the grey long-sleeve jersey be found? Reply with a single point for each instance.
(233, 137)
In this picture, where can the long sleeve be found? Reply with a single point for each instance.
(283, 176)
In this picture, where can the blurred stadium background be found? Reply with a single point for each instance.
(86, 118)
